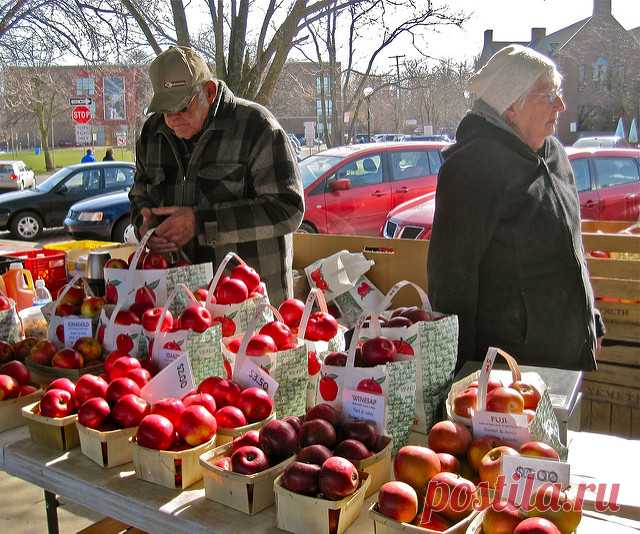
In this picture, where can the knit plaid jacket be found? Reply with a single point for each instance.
(242, 179)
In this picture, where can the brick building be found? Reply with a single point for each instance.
(600, 62)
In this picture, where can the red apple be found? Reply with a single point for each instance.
(378, 351)
(432, 521)
(255, 404)
(278, 439)
(447, 436)
(529, 393)
(314, 454)
(492, 384)
(56, 403)
(9, 387)
(17, 370)
(201, 399)
(230, 417)
(63, 383)
(261, 345)
(155, 432)
(362, 431)
(154, 260)
(195, 317)
(490, 464)
(122, 366)
(339, 359)
(27, 389)
(448, 462)
(466, 402)
(338, 478)
(251, 438)
(540, 450)
(196, 425)
(294, 421)
(111, 359)
(248, 275)
(126, 318)
(281, 335)
(91, 307)
(232, 291)
(564, 512)
(94, 412)
(116, 263)
(249, 460)
(120, 387)
(321, 327)
(42, 352)
(301, 478)
(416, 466)
(451, 495)
(67, 359)
(227, 325)
(317, 431)
(21, 349)
(170, 408)
(324, 411)
(90, 386)
(398, 501)
(151, 317)
(7, 351)
(291, 311)
(225, 392)
(352, 449)
(505, 400)
(501, 518)
(74, 296)
(140, 376)
(478, 448)
(536, 525)
(129, 410)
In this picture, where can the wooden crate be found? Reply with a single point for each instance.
(378, 467)
(53, 432)
(107, 449)
(171, 469)
(386, 525)
(227, 435)
(11, 410)
(310, 515)
(246, 493)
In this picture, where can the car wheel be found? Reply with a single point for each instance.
(307, 228)
(117, 235)
(26, 225)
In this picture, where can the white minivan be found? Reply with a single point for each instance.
(16, 175)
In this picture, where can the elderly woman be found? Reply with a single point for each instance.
(506, 253)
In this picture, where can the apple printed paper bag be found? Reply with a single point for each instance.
(433, 338)
(233, 305)
(362, 296)
(121, 330)
(11, 330)
(198, 337)
(287, 367)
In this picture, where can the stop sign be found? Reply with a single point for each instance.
(81, 114)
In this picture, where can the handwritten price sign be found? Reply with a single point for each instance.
(250, 375)
(175, 380)
(528, 474)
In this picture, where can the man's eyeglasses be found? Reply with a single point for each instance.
(182, 110)
(552, 96)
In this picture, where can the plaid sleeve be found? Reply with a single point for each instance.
(275, 203)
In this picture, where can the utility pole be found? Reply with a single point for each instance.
(398, 101)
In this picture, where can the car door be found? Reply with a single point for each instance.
(618, 181)
(82, 184)
(360, 206)
(117, 178)
(587, 192)
(411, 173)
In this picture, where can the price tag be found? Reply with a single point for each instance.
(507, 427)
(528, 474)
(364, 406)
(175, 380)
(75, 328)
(250, 375)
(166, 356)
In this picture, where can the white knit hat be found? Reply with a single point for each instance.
(508, 75)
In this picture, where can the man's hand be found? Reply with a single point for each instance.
(148, 221)
(177, 229)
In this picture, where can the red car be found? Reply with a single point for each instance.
(608, 183)
(351, 189)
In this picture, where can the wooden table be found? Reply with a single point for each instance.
(117, 493)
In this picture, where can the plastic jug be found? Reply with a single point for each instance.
(19, 285)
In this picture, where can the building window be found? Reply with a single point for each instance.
(600, 71)
(327, 80)
(85, 86)
(114, 100)
(581, 76)
(620, 76)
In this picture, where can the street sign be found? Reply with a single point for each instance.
(121, 138)
(81, 114)
(80, 101)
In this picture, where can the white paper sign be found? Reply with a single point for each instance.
(364, 406)
(166, 356)
(175, 380)
(250, 375)
(75, 328)
(528, 474)
(509, 428)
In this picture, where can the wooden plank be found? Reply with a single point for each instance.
(610, 268)
(609, 227)
(635, 423)
(616, 287)
(619, 312)
(611, 242)
(621, 375)
(620, 354)
(623, 332)
(585, 414)
(623, 396)
(621, 420)
(600, 417)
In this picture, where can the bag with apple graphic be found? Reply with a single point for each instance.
(433, 338)
(196, 335)
(148, 277)
(120, 329)
(234, 299)
(373, 382)
(341, 277)
(274, 359)
(322, 342)
(521, 399)
(11, 330)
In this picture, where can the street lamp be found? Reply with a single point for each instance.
(368, 91)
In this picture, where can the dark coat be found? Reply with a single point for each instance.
(506, 250)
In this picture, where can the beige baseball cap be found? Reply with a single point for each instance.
(175, 74)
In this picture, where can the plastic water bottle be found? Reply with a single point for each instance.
(43, 296)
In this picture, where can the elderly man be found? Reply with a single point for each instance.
(506, 252)
(215, 173)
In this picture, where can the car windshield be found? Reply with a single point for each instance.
(6, 169)
(54, 180)
(314, 166)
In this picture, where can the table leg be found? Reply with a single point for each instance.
(51, 504)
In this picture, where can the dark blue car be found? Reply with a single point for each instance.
(104, 217)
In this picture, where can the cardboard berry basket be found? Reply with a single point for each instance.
(171, 469)
(107, 449)
(386, 525)
(11, 410)
(249, 494)
(227, 435)
(53, 432)
(301, 514)
(377, 466)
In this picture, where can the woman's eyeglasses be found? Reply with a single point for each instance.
(552, 96)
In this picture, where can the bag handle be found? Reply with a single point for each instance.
(65, 290)
(487, 365)
(140, 249)
(315, 295)
(374, 324)
(220, 271)
(181, 287)
(424, 298)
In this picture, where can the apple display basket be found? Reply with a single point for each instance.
(43, 374)
(386, 525)
(171, 469)
(378, 467)
(226, 435)
(249, 494)
(11, 410)
(52, 432)
(301, 514)
(107, 449)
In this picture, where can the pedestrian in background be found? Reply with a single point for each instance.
(88, 157)
(108, 156)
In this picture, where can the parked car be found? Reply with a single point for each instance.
(104, 217)
(388, 137)
(439, 137)
(350, 189)
(607, 180)
(605, 141)
(294, 142)
(16, 175)
(27, 212)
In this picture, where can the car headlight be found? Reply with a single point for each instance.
(90, 216)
